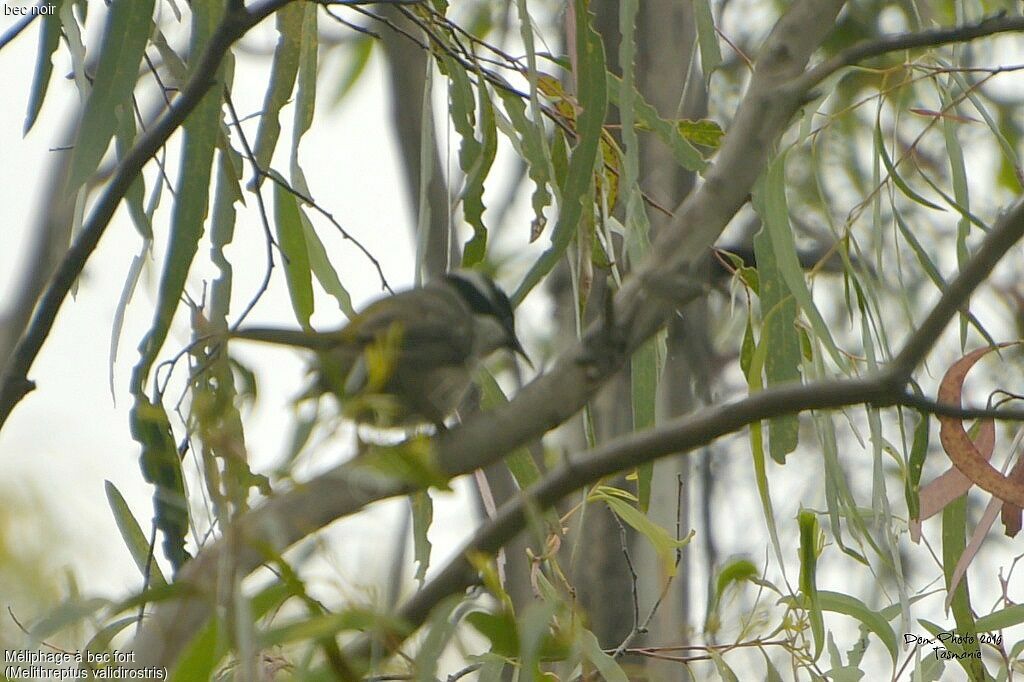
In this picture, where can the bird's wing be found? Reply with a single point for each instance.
(433, 335)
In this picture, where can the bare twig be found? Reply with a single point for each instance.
(257, 189)
(310, 201)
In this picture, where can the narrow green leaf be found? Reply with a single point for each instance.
(161, 468)
(319, 627)
(473, 194)
(705, 132)
(647, 118)
(606, 666)
(535, 138)
(102, 639)
(136, 194)
(733, 572)
(49, 38)
(191, 203)
(837, 602)
(664, 544)
(842, 505)
(125, 33)
(915, 464)
(707, 39)
(222, 232)
(533, 148)
(810, 538)
(726, 673)
(66, 614)
(117, 325)
(173, 62)
(520, 463)
(210, 644)
(440, 628)
(778, 330)
(499, 629)
(747, 349)
(292, 240)
(412, 461)
(305, 93)
(201, 655)
(153, 595)
(644, 363)
(323, 269)
(593, 97)
(76, 49)
(360, 52)
(954, 541)
(422, 518)
(283, 72)
(776, 222)
(771, 673)
(1001, 619)
(755, 382)
(932, 271)
(1002, 131)
(534, 627)
(644, 387)
(134, 539)
(897, 179)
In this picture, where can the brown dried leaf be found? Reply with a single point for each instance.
(952, 483)
(1011, 511)
(957, 443)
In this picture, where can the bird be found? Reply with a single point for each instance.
(407, 359)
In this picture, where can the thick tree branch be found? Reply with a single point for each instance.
(908, 41)
(999, 240)
(14, 383)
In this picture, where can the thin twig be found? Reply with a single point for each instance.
(908, 41)
(264, 219)
(348, 24)
(278, 180)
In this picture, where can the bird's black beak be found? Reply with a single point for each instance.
(516, 347)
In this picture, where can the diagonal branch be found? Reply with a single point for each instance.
(909, 41)
(997, 242)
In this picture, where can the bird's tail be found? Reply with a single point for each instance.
(296, 338)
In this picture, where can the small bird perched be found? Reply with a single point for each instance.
(408, 359)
